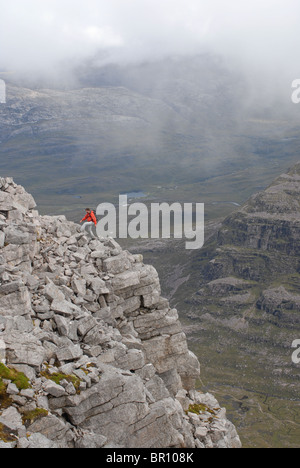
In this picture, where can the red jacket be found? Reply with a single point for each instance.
(90, 217)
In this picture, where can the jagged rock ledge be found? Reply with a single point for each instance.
(91, 355)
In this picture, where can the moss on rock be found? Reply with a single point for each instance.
(18, 378)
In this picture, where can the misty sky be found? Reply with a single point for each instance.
(48, 35)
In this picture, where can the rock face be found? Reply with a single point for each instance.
(269, 222)
(91, 355)
(249, 289)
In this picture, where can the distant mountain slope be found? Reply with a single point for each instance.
(180, 122)
(250, 282)
(246, 312)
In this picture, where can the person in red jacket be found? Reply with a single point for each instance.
(90, 221)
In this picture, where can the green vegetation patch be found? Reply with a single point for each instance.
(57, 378)
(31, 416)
(6, 434)
(200, 408)
(2, 387)
(5, 400)
(18, 378)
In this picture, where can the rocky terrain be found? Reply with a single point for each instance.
(246, 311)
(254, 272)
(91, 355)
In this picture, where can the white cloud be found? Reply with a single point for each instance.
(102, 37)
(40, 35)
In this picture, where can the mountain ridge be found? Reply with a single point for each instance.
(91, 355)
(246, 309)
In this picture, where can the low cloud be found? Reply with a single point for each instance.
(50, 37)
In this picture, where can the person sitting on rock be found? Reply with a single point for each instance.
(90, 220)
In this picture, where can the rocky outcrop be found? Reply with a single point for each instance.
(268, 226)
(91, 355)
(261, 240)
(248, 290)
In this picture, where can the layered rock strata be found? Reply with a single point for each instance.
(91, 355)
(248, 291)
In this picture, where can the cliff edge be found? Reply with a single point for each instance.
(91, 355)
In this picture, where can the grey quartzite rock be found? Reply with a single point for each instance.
(105, 356)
